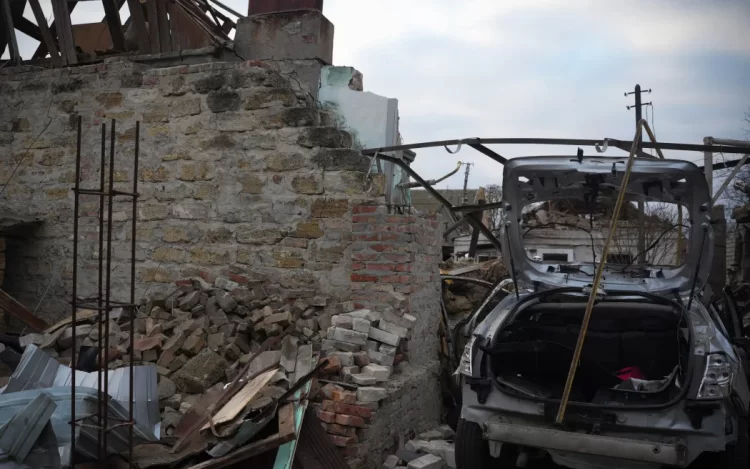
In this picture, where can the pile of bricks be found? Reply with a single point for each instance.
(430, 450)
(198, 336)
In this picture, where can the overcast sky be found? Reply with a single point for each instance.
(535, 68)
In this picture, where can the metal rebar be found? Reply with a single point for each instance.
(132, 289)
(75, 292)
(107, 292)
(100, 297)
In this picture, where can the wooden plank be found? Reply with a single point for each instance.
(153, 26)
(65, 32)
(19, 311)
(241, 399)
(139, 24)
(112, 14)
(285, 455)
(161, 18)
(41, 51)
(27, 27)
(44, 30)
(286, 419)
(10, 32)
(174, 30)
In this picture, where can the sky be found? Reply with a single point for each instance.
(539, 68)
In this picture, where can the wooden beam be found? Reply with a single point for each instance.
(163, 20)
(139, 24)
(10, 32)
(41, 51)
(153, 26)
(27, 27)
(112, 14)
(65, 32)
(19, 311)
(47, 38)
(175, 39)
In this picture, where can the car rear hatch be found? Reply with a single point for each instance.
(529, 183)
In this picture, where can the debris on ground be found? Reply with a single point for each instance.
(234, 368)
(430, 450)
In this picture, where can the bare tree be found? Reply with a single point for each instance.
(738, 191)
(494, 194)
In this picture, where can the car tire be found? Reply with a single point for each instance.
(736, 455)
(472, 451)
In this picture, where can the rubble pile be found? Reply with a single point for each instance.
(430, 450)
(203, 339)
(198, 335)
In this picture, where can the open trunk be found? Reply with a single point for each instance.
(633, 353)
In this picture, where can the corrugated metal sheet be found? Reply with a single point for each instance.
(315, 449)
(39, 373)
(37, 370)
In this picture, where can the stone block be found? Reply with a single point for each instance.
(443, 432)
(372, 345)
(428, 461)
(380, 358)
(225, 284)
(189, 301)
(348, 371)
(439, 448)
(216, 341)
(66, 339)
(401, 332)
(384, 337)
(282, 319)
(379, 372)
(371, 394)
(346, 358)
(193, 345)
(200, 372)
(362, 379)
(391, 462)
(361, 325)
(407, 320)
(343, 321)
(365, 314)
(346, 335)
(166, 388)
(227, 302)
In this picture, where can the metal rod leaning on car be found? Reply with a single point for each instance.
(598, 276)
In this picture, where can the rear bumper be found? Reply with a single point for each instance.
(614, 447)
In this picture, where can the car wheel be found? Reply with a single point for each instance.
(473, 451)
(736, 455)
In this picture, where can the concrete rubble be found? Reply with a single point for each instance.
(433, 449)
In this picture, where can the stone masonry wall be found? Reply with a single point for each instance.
(239, 175)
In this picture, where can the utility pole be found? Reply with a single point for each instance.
(466, 182)
(641, 206)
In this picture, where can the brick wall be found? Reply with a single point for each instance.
(240, 175)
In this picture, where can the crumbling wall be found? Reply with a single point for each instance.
(238, 176)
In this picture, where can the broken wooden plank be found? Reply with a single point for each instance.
(286, 419)
(304, 363)
(139, 25)
(82, 315)
(286, 452)
(241, 399)
(64, 32)
(161, 18)
(10, 32)
(153, 26)
(19, 311)
(112, 14)
(174, 30)
(41, 50)
(47, 39)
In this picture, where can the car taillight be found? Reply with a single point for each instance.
(718, 377)
(467, 357)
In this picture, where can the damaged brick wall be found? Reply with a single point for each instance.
(239, 176)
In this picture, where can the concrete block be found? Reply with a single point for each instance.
(370, 394)
(391, 462)
(379, 372)
(388, 326)
(363, 379)
(346, 335)
(372, 345)
(443, 432)
(346, 358)
(289, 353)
(407, 320)
(384, 337)
(361, 325)
(440, 448)
(365, 314)
(288, 35)
(428, 461)
(380, 358)
(342, 321)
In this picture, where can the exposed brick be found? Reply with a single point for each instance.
(381, 267)
(350, 420)
(364, 219)
(347, 409)
(357, 266)
(364, 209)
(363, 278)
(328, 417)
(396, 279)
(344, 441)
(365, 256)
(336, 429)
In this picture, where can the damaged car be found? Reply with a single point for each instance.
(661, 380)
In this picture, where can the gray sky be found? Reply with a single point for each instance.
(523, 68)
